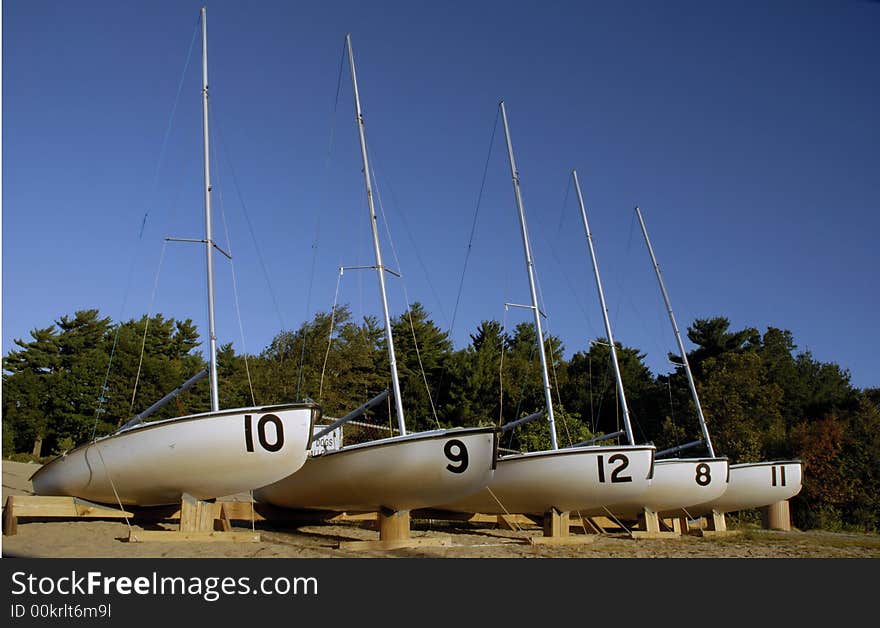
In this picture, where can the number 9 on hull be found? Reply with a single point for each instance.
(409, 472)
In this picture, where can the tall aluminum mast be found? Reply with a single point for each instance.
(681, 348)
(380, 269)
(626, 420)
(529, 267)
(209, 242)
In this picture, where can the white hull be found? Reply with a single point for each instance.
(206, 455)
(677, 485)
(756, 484)
(571, 479)
(409, 472)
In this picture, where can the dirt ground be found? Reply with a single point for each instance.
(109, 538)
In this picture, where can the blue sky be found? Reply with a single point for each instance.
(746, 132)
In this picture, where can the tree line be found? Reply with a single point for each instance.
(83, 376)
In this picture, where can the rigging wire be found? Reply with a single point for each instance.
(99, 409)
(146, 327)
(323, 206)
(406, 300)
(236, 301)
(474, 221)
(634, 420)
(113, 486)
(552, 360)
(219, 127)
(415, 247)
(451, 329)
(523, 381)
(244, 352)
(501, 369)
(329, 337)
(561, 269)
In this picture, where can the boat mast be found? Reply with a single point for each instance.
(380, 269)
(529, 267)
(687, 366)
(209, 242)
(623, 405)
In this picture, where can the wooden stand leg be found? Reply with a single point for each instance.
(716, 525)
(394, 533)
(556, 531)
(682, 525)
(224, 521)
(394, 525)
(10, 520)
(196, 515)
(649, 522)
(197, 522)
(556, 523)
(777, 516)
(715, 522)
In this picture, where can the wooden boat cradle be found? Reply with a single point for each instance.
(200, 521)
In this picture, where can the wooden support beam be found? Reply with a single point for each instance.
(715, 522)
(54, 507)
(593, 525)
(197, 518)
(394, 533)
(196, 515)
(716, 525)
(394, 525)
(247, 511)
(652, 527)
(586, 525)
(472, 517)
(223, 522)
(662, 534)
(10, 521)
(556, 524)
(557, 531)
(649, 521)
(777, 516)
(444, 541)
(50, 506)
(680, 524)
(142, 536)
(580, 539)
(606, 525)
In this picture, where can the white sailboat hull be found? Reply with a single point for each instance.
(677, 485)
(756, 484)
(206, 455)
(408, 472)
(571, 479)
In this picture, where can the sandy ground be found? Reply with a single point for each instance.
(109, 538)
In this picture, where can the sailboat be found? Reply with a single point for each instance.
(206, 455)
(678, 483)
(749, 485)
(400, 473)
(580, 478)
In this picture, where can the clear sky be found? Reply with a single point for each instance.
(748, 134)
